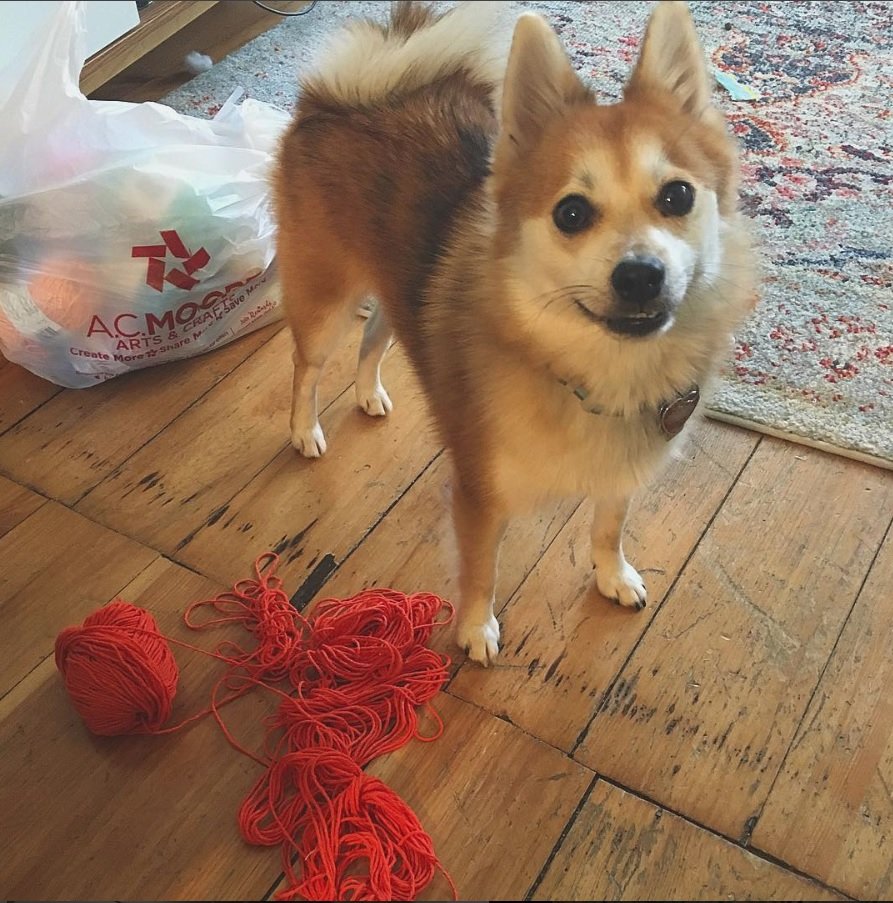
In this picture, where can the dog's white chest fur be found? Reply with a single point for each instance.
(547, 445)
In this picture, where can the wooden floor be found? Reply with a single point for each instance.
(731, 741)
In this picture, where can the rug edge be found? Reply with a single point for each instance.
(818, 444)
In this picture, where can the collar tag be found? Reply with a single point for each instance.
(673, 415)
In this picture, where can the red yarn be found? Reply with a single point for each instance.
(344, 817)
(354, 674)
(263, 608)
(119, 671)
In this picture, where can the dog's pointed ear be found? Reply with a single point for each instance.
(539, 81)
(672, 59)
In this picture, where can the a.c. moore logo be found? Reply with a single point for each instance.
(186, 316)
(157, 272)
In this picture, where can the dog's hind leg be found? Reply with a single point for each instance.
(311, 351)
(371, 394)
(319, 304)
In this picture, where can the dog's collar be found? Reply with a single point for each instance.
(671, 414)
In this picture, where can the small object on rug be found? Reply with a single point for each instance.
(737, 91)
(196, 62)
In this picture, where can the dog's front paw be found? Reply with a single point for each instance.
(480, 641)
(621, 581)
(311, 443)
(375, 402)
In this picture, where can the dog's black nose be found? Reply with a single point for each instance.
(639, 280)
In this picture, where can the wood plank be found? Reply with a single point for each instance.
(414, 550)
(623, 848)
(158, 21)
(178, 481)
(563, 643)
(131, 817)
(71, 443)
(837, 777)
(16, 503)
(20, 393)
(57, 568)
(704, 711)
(315, 511)
(493, 799)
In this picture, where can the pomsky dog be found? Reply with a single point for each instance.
(564, 275)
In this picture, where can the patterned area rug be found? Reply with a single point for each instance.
(815, 361)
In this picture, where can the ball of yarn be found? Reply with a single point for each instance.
(9, 335)
(68, 291)
(119, 671)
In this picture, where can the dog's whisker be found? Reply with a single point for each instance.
(586, 298)
(730, 282)
(563, 293)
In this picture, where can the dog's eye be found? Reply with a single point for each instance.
(676, 199)
(573, 214)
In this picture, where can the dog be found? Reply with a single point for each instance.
(564, 275)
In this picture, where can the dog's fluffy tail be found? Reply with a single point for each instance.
(367, 63)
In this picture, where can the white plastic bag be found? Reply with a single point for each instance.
(130, 235)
